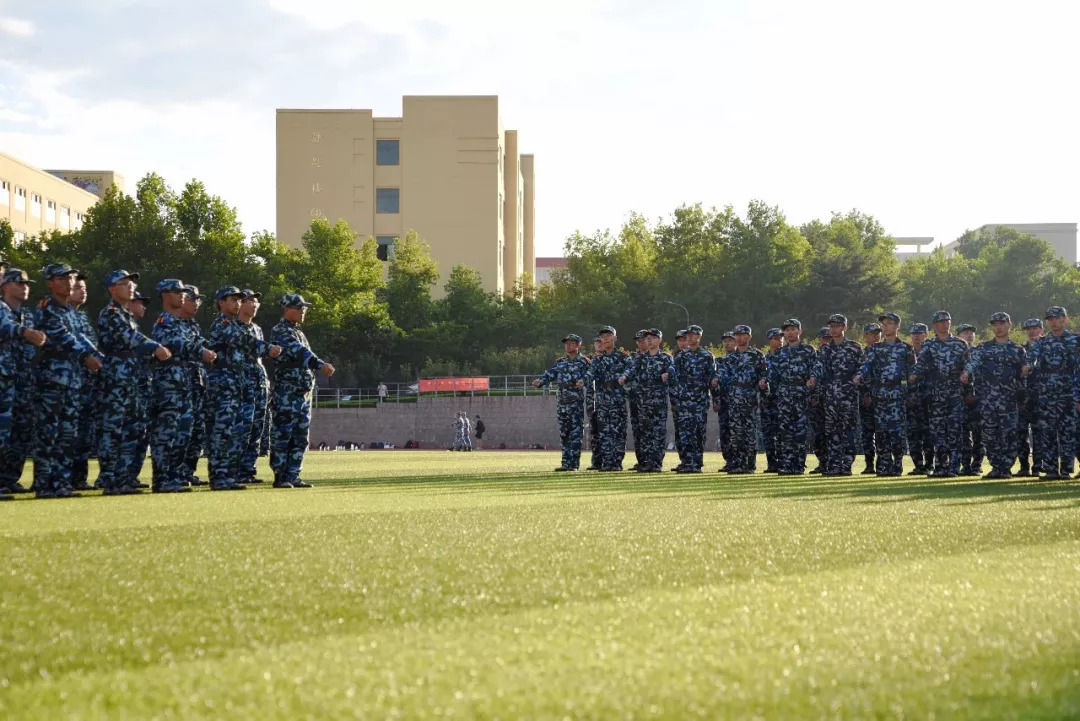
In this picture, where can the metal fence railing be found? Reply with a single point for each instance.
(441, 387)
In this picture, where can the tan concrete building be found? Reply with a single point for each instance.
(445, 168)
(35, 200)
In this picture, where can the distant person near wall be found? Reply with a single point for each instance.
(479, 432)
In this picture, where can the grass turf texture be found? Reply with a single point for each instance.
(483, 585)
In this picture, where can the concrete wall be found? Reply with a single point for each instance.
(517, 421)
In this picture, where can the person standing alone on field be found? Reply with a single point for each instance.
(479, 432)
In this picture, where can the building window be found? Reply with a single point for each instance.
(5, 193)
(65, 218)
(387, 152)
(50, 212)
(20, 238)
(385, 251)
(35, 205)
(20, 200)
(387, 200)
(78, 220)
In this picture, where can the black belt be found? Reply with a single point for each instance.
(122, 354)
(793, 383)
(1061, 371)
(745, 384)
(892, 384)
(611, 385)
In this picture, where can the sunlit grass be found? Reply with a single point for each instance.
(484, 585)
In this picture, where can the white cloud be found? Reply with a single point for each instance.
(16, 27)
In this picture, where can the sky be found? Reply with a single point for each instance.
(934, 117)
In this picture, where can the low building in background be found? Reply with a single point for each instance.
(35, 200)
(544, 267)
(1061, 236)
(908, 248)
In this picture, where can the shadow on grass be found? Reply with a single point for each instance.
(1065, 494)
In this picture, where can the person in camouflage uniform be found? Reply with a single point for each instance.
(634, 398)
(590, 405)
(570, 408)
(886, 367)
(18, 343)
(1029, 442)
(769, 430)
(837, 363)
(257, 391)
(122, 343)
(294, 381)
(919, 441)
(171, 403)
(745, 376)
(196, 372)
(236, 348)
(604, 371)
(695, 373)
(972, 451)
(89, 401)
(997, 367)
(60, 381)
(652, 372)
(681, 344)
(1054, 362)
(789, 372)
(817, 409)
(867, 434)
(141, 423)
(721, 402)
(939, 365)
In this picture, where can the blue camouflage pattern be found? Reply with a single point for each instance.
(885, 371)
(939, 365)
(788, 375)
(1054, 362)
(646, 372)
(294, 380)
(996, 369)
(611, 413)
(570, 405)
(837, 364)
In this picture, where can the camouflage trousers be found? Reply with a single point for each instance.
(16, 428)
(919, 441)
(770, 429)
(1028, 440)
(889, 430)
(611, 419)
(723, 429)
(197, 442)
(652, 418)
(570, 417)
(1056, 419)
(291, 407)
(793, 427)
(1000, 421)
(693, 417)
(867, 428)
(142, 424)
(841, 419)
(743, 421)
(119, 434)
(972, 450)
(89, 434)
(233, 413)
(946, 422)
(634, 411)
(817, 427)
(673, 408)
(171, 433)
(260, 426)
(56, 423)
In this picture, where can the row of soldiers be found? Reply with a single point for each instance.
(943, 399)
(70, 389)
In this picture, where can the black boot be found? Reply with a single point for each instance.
(869, 470)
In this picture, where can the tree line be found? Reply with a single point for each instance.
(379, 320)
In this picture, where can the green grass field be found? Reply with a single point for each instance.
(482, 585)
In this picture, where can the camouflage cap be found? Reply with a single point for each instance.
(871, 328)
(248, 294)
(824, 332)
(743, 329)
(15, 275)
(144, 299)
(773, 333)
(55, 270)
(170, 285)
(227, 291)
(655, 333)
(964, 327)
(293, 300)
(728, 334)
(641, 334)
(118, 275)
(572, 337)
(1032, 323)
(1056, 311)
(1000, 317)
(838, 318)
(939, 316)
(889, 316)
(192, 291)
(791, 323)
(696, 329)
(681, 333)
(917, 328)
(607, 329)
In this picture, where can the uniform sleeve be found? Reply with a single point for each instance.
(923, 361)
(61, 340)
(866, 367)
(818, 369)
(293, 350)
(549, 375)
(974, 360)
(128, 337)
(9, 328)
